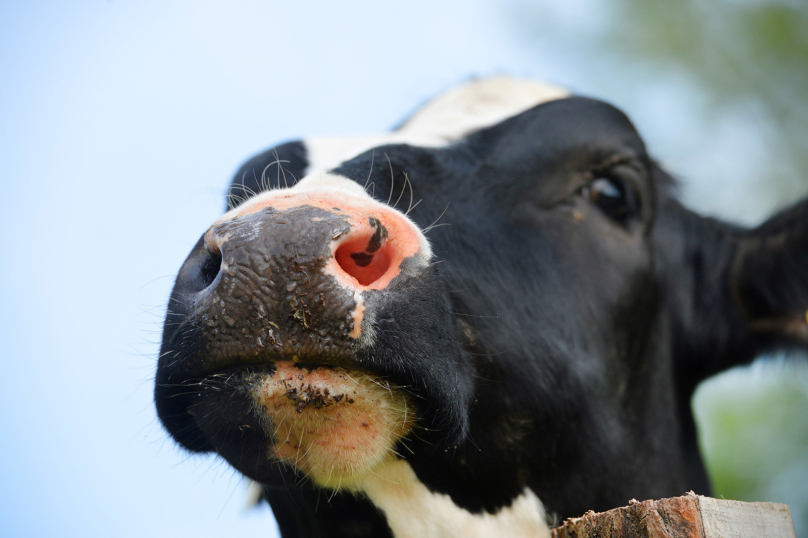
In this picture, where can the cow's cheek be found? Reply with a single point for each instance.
(332, 424)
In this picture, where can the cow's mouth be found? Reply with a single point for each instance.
(332, 424)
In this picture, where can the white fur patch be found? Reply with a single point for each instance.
(443, 120)
(414, 511)
(478, 104)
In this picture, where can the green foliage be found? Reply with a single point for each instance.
(754, 435)
(748, 54)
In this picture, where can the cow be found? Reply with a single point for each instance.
(486, 320)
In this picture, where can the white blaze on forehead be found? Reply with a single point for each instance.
(443, 120)
(413, 511)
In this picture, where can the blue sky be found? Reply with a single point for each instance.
(121, 124)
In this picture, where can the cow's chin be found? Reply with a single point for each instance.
(335, 425)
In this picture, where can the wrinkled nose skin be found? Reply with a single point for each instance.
(272, 292)
(312, 285)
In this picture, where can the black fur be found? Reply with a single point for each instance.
(553, 346)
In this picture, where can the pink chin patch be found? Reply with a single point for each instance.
(333, 424)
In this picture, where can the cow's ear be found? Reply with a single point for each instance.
(769, 278)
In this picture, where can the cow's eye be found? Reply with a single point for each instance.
(612, 197)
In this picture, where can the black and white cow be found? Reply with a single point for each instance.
(494, 315)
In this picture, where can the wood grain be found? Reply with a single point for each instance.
(689, 516)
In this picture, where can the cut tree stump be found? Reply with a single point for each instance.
(690, 516)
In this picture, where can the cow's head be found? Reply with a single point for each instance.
(499, 302)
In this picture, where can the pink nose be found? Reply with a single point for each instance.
(290, 269)
(366, 251)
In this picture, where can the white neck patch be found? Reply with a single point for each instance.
(445, 119)
(412, 511)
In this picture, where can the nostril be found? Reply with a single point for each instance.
(210, 268)
(366, 267)
(200, 269)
